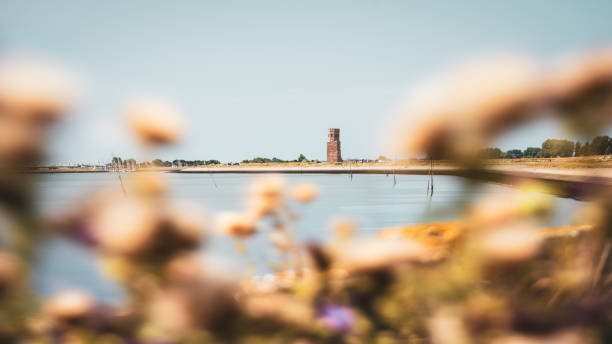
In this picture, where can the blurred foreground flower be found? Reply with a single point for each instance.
(70, 305)
(581, 88)
(125, 227)
(343, 228)
(511, 245)
(35, 90)
(154, 122)
(373, 254)
(237, 224)
(136, 228)
(203, 302)
(456, 115)
(266, 195)
(11, 272)
(33, 95)
(305, 192)
(527, 201)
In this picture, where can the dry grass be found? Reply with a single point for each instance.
(596, 161)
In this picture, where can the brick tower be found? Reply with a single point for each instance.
(333, 145)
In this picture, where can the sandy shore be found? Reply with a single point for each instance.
(343, 169)
(577, 183)
(518, 170)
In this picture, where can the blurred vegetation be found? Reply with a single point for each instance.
(498, 273)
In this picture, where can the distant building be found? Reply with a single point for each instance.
(333, 145)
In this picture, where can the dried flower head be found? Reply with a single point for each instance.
(581, 86)
(21, 141)
(511, 245)
(169, 310)
(153, 121)
(455, 115)
(26, 110)
(147, 184)
(344, 228)
(36, 90)
(529, 201)
(70, 305)
(281, 240)
(200, 303)
(305, 192)
(186, 221)
(11, 272)
(126, 226)
(378, 253)
(266, 195)
(446, 327)
(582, 73)
(237, 224)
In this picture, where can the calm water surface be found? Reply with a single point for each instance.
(373, 200)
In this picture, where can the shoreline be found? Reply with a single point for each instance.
(602, 174)
(577, 183)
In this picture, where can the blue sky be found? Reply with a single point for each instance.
(267, 78)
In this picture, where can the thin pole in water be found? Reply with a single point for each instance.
(212, 177)
(122, 187)
(431, 190)
(393, 168)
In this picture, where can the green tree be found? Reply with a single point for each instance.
(513, 154)
(557, 148)
(585, 149)
(130, 163)
(492, 153)
(117, 162)
(157, 162)
(599, 145)
(302, 157)
(532, 152)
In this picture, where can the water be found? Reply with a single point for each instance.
(373, 200)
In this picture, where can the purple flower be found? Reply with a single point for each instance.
(337, 317)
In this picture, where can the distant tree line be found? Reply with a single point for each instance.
(552, 148)
(260, 160)
(131, 163)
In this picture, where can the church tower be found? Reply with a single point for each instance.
(333, 145)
